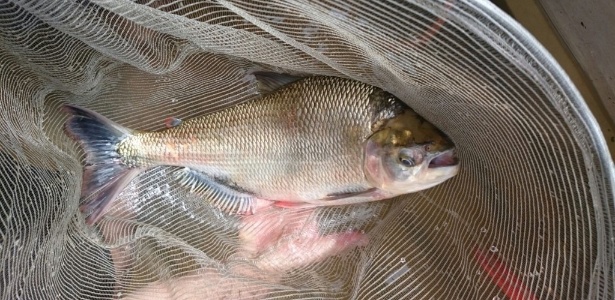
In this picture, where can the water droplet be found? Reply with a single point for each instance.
(493, 249)
(402, 260)
(322, 47)
(309, 31)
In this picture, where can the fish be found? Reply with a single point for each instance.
(314, 141)
(503, 275)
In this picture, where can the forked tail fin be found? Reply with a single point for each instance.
(104, 175)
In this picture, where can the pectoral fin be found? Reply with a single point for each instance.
(345, 198)
(360, 194)
(224, 197)
(368, 195)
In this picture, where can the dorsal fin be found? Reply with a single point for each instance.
(270, 81)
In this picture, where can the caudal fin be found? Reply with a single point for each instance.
(104, 175)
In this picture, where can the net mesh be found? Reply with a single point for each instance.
(530, 215)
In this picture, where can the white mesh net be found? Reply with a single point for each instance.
(530, 216)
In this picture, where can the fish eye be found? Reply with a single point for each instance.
(406, 161)
(429, 147)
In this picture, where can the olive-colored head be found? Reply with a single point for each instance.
(408, 154)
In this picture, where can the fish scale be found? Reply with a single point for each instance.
(296, 156)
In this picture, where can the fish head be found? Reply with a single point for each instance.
(408, 154)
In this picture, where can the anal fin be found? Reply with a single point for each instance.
(220, 195)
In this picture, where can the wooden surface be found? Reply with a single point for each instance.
(581, 37)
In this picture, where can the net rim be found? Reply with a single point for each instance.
(548, 62)
(602, 180)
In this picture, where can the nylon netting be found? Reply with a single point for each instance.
(529, 215)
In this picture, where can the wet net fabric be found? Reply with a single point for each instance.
(530, 216)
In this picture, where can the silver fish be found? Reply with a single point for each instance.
(316, 141)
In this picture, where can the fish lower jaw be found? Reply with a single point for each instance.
(445, 159)
(430, 178)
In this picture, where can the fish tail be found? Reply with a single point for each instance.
(105, 175)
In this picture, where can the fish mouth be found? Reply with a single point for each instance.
(444, 159)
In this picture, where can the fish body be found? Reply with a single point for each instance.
(319, 140)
